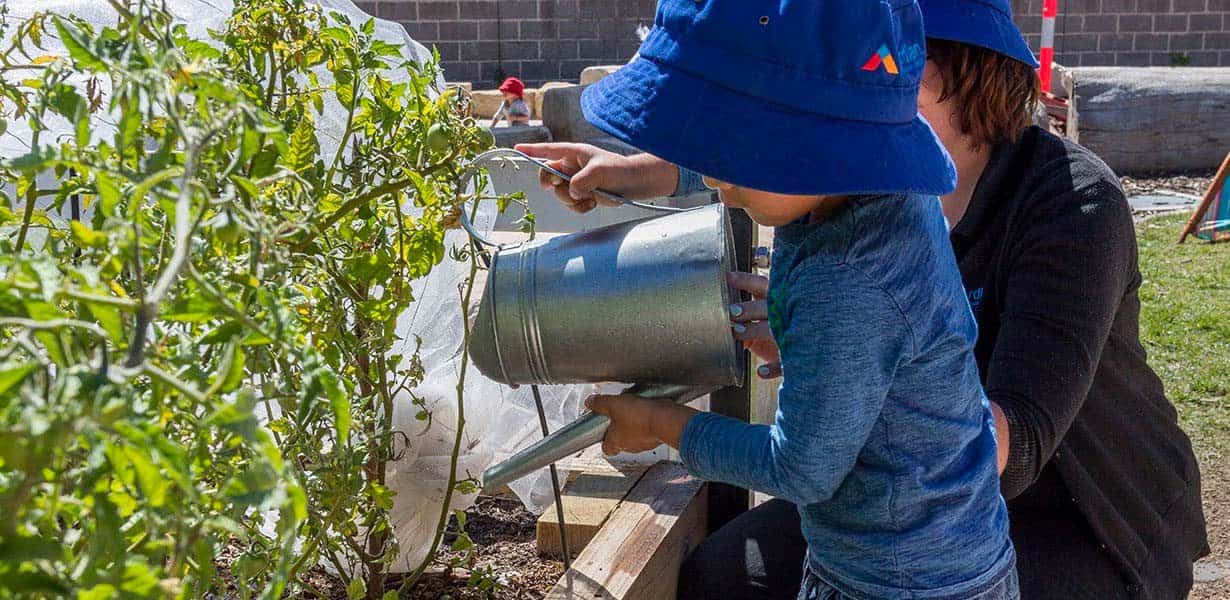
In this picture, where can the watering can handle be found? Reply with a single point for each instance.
(481, 160)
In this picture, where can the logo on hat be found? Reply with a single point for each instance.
(882, 57)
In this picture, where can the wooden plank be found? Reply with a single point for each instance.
(588, 500)
(636, 555)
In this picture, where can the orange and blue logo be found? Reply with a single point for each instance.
(882, 57)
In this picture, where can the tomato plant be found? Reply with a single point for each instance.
(204, 363)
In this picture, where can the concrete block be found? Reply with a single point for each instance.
(592, 74)
(536, 105)
(507, 136)
(1154, 119)
(561, 113)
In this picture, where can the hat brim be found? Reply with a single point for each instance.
(738, 139)
(976, 24)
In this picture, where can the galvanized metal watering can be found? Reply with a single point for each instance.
(643, 302)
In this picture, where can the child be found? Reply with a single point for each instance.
(513, 107)
(804, 114)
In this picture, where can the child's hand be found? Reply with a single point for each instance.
(638, 424)
(751, 324)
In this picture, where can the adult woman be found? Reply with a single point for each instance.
(1102, 486)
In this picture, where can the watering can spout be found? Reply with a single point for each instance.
(578, 435)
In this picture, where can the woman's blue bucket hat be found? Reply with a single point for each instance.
(794, 97)
(984, 23)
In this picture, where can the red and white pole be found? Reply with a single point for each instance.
(1046, 54)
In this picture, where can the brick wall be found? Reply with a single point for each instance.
(536, 40)
(1134, 32)
(545, 40)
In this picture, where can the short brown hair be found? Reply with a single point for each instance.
(995, 94)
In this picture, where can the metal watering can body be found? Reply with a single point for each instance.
(642, 301)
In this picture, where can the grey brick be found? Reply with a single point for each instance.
(599, 9)
(459, 30)
(1077, 7)
(1203, 58)
(1115, 42)
(559, 49)
(519, 50)
(1151, 41)
(1097, 59)
(1132, 59)
(478, 51)
(1204, 22)
(478, 9)
(539, 30)
(422, 31)
(1161, 59)
(1135, 22)
(461, 71)
(1186, 41)
(1189, 6)
(519, 9)
(449, 51)
(1153, 6)
(570, 70)
(578, 30)
(489, 30)
(1100, 24)
(399, 11)
(1217, 41)
(1175, 23)
(537, 71)
(437, 9)
(1118, 6)
(1080, 42)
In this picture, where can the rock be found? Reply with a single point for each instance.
(592, 74)
(507, 136)
(561, 113)
(1155, 119)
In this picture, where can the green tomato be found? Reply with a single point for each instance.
(483, 139)
(438, 139)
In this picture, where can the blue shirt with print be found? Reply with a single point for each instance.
(883, 436)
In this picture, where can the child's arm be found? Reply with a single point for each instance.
(843, 341)
(499, 114)
(841, 350)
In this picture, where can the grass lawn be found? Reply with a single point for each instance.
(1185, 326)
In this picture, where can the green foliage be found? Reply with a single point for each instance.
(229, 269)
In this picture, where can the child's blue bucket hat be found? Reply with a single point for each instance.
(794, 97)
(984, 23)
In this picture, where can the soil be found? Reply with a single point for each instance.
(506, 551)
(1195, 183)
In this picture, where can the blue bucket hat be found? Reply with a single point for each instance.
(984, 23)
(816, 97)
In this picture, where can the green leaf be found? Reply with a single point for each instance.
(86, 237)
(21, 548)
(108, 193)
(234, 375)
(78, 46)
(151, 482)
(12, 376)
(222, 333)
(356, 589)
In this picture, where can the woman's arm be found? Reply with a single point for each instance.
(1064, 278)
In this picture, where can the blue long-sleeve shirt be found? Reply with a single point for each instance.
(883, 436)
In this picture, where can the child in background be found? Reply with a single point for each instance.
(514, 107)
(804, 114)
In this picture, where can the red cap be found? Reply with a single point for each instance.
(514, 85)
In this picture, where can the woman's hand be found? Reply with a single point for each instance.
(751, 322)
(638, 424)
(638, 176)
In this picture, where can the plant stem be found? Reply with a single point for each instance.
(442, 523)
